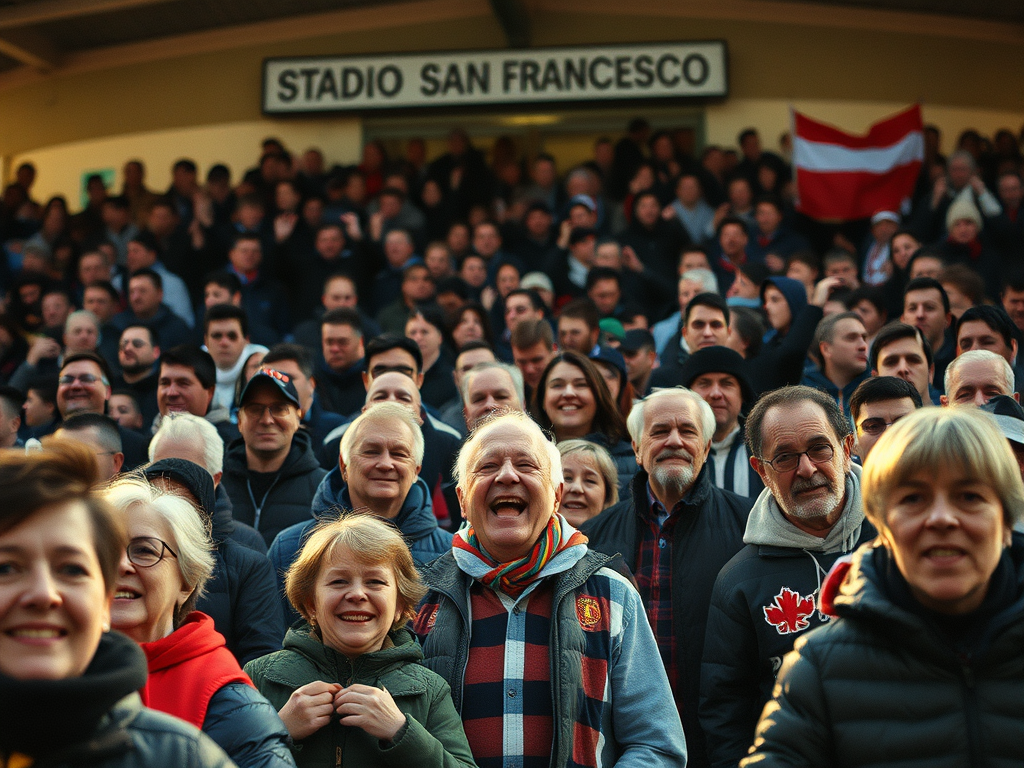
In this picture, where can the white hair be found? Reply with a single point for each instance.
(191, 537)
(980, 356)
(705, 277)
(522, 420)
(635, 421)
(386, 412)
(186, 427)
(512, 370)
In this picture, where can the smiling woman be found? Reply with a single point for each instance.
(59, 551)
(931, 616)
(349, 684)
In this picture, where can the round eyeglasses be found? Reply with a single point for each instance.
(147, 551)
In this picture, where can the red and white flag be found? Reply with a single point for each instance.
(842, 176)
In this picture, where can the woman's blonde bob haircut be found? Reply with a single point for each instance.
(369, 540)
(934, 442)
(601, 459)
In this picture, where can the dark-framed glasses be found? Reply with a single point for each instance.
(876, 426)
(256, 410)
(147, 551)
(85, 378)
(787, 462)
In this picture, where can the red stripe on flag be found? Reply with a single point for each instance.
(882, 134)
(854, 194)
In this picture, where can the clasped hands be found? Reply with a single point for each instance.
(311, 707)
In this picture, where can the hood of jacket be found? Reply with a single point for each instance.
(368, 667)
(300, 459)
(766, 525)
(793, 290)
(415, 519)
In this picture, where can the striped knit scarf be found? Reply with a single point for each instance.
(513, 578)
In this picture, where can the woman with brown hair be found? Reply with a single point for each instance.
(573, 401)
(68, 686)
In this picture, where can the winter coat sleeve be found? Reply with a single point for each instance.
(440, 742)
(258, 623)
(794, 729)
(248, 728)
(644, 716)
(729, 691)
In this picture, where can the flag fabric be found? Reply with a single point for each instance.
(843, 176)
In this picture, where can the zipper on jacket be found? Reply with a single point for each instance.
(970, 694)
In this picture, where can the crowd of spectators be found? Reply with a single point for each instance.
(654, 345)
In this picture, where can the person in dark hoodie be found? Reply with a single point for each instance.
(792, 319)
(271, 473)
(241, 596)
(808, 516)
(377, 473)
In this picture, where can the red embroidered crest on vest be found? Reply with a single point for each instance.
(588, 611)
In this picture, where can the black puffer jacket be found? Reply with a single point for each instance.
(98, 720)
(708, 534)
(883, 686)
(241, 596)
(289, 498)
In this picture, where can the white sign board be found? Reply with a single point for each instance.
(535, 76)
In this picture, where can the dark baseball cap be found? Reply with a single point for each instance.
(1008, 415)
(269, 377)
(635, 340)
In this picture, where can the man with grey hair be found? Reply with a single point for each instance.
(675, 532)
(241, 596)
(976, 377)
(960, 182)
(488, 387)
(100, 434)
(81, 334)
(521, 591)
(808, 516)
(691, 283)
(840, 348)
(377, 474)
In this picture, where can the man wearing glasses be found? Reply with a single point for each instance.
(808, 516)
(272, 473)
(876, 405)
(83, 386)
(138, 353)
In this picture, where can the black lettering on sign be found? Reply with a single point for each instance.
(509, 72)
(307, 75)
(551, 76)
(287, 89)
(429, 84)
(389, 81)
(664, 79)
(351, 82)
(576, 72)
(453, 81)
(601, 85)
(528, 75)
(478, 78)
(328, 85)
(369, 83)
(644, 70)
(622, 67)
(696, 69)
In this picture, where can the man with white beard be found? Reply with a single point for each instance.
(675, 533)
(808, 516)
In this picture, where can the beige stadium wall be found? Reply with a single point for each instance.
(199, 96)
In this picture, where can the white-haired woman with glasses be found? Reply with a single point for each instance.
(925, 664)
(192, 675)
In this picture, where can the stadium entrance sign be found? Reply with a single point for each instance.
(535, 76)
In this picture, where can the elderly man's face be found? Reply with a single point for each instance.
(489, 391)
(393, 387)
(509, 494)
(811, 496)
(976, 382)
(672, 448)
(381, 467)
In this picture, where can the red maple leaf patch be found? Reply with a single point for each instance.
(789, 612)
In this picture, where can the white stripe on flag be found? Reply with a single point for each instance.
(814, 156)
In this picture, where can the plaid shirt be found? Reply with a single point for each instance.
(654, 578)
